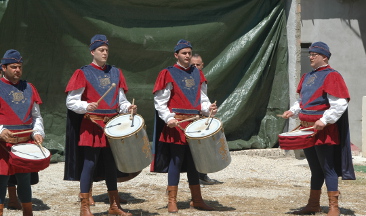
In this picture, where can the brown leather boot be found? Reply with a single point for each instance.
(333, 203)
(121, 200)
(313, 205)
(197, 201)
(13, 202)
(84, 206)
(1, 209)
(172, 199)
(27, 209)
(115, 207)
(91, 200)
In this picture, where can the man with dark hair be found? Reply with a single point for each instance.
(84, 89)
(19, 102)
(180, 92)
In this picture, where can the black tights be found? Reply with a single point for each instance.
(321, 163)
(91, 156)
(24, 187)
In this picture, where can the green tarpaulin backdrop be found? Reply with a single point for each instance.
(242, 42)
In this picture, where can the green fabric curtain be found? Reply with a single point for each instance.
(242, 42)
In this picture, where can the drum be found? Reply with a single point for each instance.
(208, 145)
(296, 140)
(128, 177)
(29, 157)
(129, 143)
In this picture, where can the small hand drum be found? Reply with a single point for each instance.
(297, 140)
(29, 157)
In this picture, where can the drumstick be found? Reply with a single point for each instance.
(189, 119)
(206, 123)
(110, 88)
(301, 129)
(279, 115)
(306, 128)
(133, 102)
(41, 147)
(180, 127)
(23, 132)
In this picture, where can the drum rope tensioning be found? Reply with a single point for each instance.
(207, 141)
(129, 142)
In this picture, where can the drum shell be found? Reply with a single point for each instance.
(133, 153)
(296, 142)
(25, 165)
(210, 154)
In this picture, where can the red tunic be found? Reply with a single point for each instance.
(16, 104)
(185, 98)
(96, 81)
(313, 88)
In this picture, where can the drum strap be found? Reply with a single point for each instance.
(307, 124)
(94, 118)
(183, 117)
(14, 140)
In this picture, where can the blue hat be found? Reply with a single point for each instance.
(181, 45)
(11, 56)
(321, 48)
(97, 41)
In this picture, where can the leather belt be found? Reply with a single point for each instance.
(307, 124)
(183, 117)
(97, 117)
(15, 140)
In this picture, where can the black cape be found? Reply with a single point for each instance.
(343, 153)
(74, 157)
(160, 150)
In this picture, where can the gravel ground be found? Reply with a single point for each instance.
(250, 185)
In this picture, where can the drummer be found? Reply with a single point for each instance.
(322, 104)
(19, 112)
(180, 92)
(85, 88)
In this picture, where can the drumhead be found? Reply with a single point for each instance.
(297, 133)
(122, 126)
(30, 151)
(198, 129)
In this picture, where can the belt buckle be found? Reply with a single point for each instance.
(106, 119)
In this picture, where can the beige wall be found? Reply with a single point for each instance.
(342, 25)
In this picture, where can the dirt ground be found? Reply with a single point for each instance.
(250, 185)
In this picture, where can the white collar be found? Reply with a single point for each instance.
(182, 66)
(320, 67)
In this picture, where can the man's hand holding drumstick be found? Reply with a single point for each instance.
(38, 139)
(213, 109)
(318, 125)
(6, 134)
(287, 114)
(172, 123)
(132, 109)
